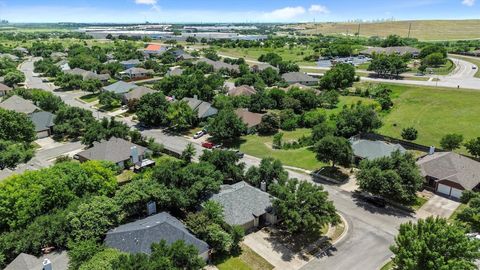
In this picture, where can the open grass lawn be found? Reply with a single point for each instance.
(471, 59)
(434, 112)
(296, 54)
(261, 146)
(422, 30)
(89, 98)
(248, 260)
(457, 211)
(445, 69)
(387, 266)
(419, 203)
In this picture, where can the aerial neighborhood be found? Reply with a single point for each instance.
(240, 146)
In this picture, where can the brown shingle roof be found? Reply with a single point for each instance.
(453, 167)
(243, 90)
(115, 150)
(19, 104)
(249, 118)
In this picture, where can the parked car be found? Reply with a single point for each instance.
(199, 134)
(208, 145)
(377, 201)
(474, 67)
(239, 154)
(218, 146)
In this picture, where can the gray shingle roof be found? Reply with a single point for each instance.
(374, 149)
(242, 202)
(115, 150)
(294, 77)
(131, 62)
(217, 65)
(19, 104)
(4, 87)
(24, 261)
(42, 120)
(136, 71)
(120, 87)
(138, 93)
(138, 236)
(204, 109)
(453, 167)
(401, 50)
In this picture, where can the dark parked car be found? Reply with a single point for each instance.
(239, 154)
(377, 201)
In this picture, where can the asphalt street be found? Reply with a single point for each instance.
(371, 230)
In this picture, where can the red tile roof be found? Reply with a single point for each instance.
(153, 47)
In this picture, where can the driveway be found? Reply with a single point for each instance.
(437, 206)
(275, 253)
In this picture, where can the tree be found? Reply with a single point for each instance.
(270, 170)
(277, 141)
(81, 252)
(392, 41)
(269, 125)
(356, 119)
(434, 244)
(270, 76)
(470, 215)
(180, 115)
(434, 48)
(94, 218)
(226, 125)
(152, 109)
(390, 65)
(340, 76)
(102, 260)
(92, 85)
(109, 99)
(188, 153)
(313, 118)
(271, 58)
(72, 121)
(396, 178)
(288, 120)
(434, 60)
(16, 127)
(322, 130)
(12, 153)
(334, 149)
(473, 147)
(191, 40)
(303, 206)
(13, 78)
(226, 162)
(451, 142)
(409, 134)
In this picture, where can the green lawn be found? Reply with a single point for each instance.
(260, 146)
(419, 203)
(248, 260)
(473, 60)
(459, 209)
(434, 112)
(441, 70)
(297, 54)
(387, 266)
(89, 98)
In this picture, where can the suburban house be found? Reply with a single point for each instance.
(43, 122)
(9, 56)
(400, 50)
(182, 55)
(119, 87)
(176, 71)
(21, 50)
(245, 205)
(19, 104)
(63, 65)
(449, 173)
(138, 236)
(4, 89)
(154, 49)
(118, 151)
(366, 149)
(130, 63)
(203, 108)
(136, 94)
(299, 77)
(252, 120)
(135, 73)
(219, 65)
(57, 56)
(88, 75)
(242, 90)
(262, 66)
(55, 261)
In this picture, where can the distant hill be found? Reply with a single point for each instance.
(422, 30)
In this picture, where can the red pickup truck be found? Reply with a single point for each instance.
(208, 145)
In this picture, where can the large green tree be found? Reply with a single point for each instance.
(356, 119)
(339, 77)
(152, 109)
(16, 127)
(226, 125)
(433, 244)
(303, 207)
(333, 149)
(396, 178)
(226, 162)
(180, 115)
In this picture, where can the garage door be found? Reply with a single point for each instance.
(42, 134)
(456, 193)
(444, 189)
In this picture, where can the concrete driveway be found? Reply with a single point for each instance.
(437, 206)
(275, 253)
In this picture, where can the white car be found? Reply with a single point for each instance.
(199, 134)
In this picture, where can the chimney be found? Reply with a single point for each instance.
(431, 151)
(151, 208)
(195, 96)
(263, 186)
(134, 154)
(47, 264)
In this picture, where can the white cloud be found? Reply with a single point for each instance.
(285, 13)
(146, 2)
(468, 2)
(319, 9)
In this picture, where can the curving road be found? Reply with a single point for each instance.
(371, 230)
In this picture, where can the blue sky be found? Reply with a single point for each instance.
(233, 10)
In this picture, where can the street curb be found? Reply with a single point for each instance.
(345, 231)
(81, 101)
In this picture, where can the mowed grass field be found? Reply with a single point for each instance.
(422, 30)
(296, 54)
(434, 112)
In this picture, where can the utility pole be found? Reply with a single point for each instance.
(409, 30)
(358, 31)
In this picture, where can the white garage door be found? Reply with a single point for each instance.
(444, 189)
(456, 193)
